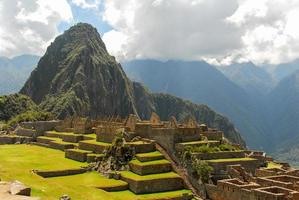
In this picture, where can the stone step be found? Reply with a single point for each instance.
(77, 154)
(60, 145)
(45, 140)
(65, 136)
(26, 132)
(151, 156)
(94, 157)
(150, 167)
(152, 183)
(181, 146)
(142, 147)
(93, 145)
(62, 172)
(121, 186)
(13, 139)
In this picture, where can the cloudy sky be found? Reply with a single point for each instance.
(218, 31)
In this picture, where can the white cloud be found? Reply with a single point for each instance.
(176, 29)
(263, 31)
(28, 26)
(87, 4)
(270, 31)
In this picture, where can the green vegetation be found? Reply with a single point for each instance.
(117, 156)
(208, 149)
(203, 169)
(156, 155)
(273, 165)
(30, 116)
(15, 104)
(150, 154)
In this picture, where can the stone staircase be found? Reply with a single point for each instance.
(150, 172)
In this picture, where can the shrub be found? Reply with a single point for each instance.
(30, 116)
(227, 147)
(203, 169)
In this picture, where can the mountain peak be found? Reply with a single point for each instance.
(77, 76)
(79, 36)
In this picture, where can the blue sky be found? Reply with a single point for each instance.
(90, 16)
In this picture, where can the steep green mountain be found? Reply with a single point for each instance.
(77, 76)
(15, 71)
(254, 80)
(202, 83)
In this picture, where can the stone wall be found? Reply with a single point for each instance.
(219, 155)
(213, 135)
(40, 126)
(56, 173)
(9, 139)
(25, 132)
(249, 165)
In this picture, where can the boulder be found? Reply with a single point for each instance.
(18, 188)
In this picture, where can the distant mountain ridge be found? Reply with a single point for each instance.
(253, 79)
(77, 76)
(202, 83)
(15, 71)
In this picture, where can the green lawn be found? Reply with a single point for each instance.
(17, 161)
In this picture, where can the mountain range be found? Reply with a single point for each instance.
(15, 71)
(77, 76)
(262, 105)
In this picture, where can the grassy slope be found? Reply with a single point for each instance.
(17, 161)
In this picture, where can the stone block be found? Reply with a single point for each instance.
(92, 145)
(152, 183)
(18, 188)
(61, 145)
(56, 173)
(152, 167)
(76, 154)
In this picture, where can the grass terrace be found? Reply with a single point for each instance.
(273, 165)
(18, 161)
(137, 177)
(155, 162)
(208, 149)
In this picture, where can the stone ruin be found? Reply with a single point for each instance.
(236, 175)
